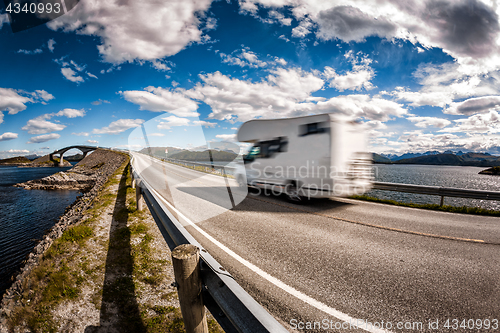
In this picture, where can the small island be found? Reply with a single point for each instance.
(495, 171)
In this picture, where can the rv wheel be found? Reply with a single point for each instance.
(292, 193)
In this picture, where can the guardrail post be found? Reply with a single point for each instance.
(133, 180)
(186, 262)
(442, 201)
(138, 198)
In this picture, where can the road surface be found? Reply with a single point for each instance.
(346, 265)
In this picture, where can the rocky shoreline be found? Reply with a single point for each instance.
(89, 175)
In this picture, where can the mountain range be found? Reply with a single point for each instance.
(437, 158)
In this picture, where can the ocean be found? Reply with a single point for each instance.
(25, 216)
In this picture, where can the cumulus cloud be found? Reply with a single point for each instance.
(173, 121)
(468, 30)
(71, 75)
(119, 126)
(362, 106)
(8, 136)
(429, 121)
(145, 30)
(474, 105)
(81, 134)
(50, 44)
(349, 23)
(226, 137)
(92, 141)
(12, 101)
(70, 113)
(40, 126)
(36, 51)
(100, 101)
(285, 92)
(44, 138)
(356, 79)
(480, 123)
(162, 100)
(243, 58)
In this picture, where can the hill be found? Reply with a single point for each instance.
(160, 151)
(217, 156)
(468, 159)
(14, 160)
(380, 159)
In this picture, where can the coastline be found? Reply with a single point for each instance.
(71, 216)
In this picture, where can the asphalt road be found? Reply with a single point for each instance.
(342, 259)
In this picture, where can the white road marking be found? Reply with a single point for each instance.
(278, 283)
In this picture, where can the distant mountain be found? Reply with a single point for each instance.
(380, 159)
(189, 155)
(217, 156)
(467, 159)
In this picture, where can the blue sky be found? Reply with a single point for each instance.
(422, 75)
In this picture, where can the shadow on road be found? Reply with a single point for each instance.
(119, 307)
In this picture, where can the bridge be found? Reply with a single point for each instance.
(84, 149)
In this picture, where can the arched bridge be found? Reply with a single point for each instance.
(84, 149)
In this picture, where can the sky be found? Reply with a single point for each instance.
(421, 75)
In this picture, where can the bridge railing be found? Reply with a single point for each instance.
(233, 308)
(439, 191)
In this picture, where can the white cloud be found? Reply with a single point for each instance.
(147, 30)
(92, 141)
(91, 75)
(283, 93)
(162, 100)
(8, 136)
(119, 126)
(156, 134)
(81, 134)
(36, 51)
(243, 58)
(204, 123)
(356, 79)
(11, 101)
(50, 44)
(71, 75)
(42, 94)
(4, 18)
(479, 123)
(173, 121)
(70, 113)
(100, 101)
(39, 126)
(469, 31)
(44, 138)
(429, 121)
(355, 106)
(226, 137)
(474, 105)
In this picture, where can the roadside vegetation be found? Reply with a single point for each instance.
(112, 271)
(444, 208)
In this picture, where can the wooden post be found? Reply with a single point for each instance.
(133, 180)
(138, 198)
(442, 201)
(186, 262)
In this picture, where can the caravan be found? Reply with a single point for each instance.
(305, 157)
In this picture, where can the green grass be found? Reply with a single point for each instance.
(444, 208)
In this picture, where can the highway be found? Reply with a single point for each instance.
(337, 261)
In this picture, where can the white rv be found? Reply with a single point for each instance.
(305, 157)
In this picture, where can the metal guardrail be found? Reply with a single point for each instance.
(206, 165)
(233, 308)
(407, 188)
(436, 190)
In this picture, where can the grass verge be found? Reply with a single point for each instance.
(444, 208)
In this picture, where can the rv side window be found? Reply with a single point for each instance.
(267, 149)
(312, 128)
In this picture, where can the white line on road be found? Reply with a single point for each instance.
(278, 283)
